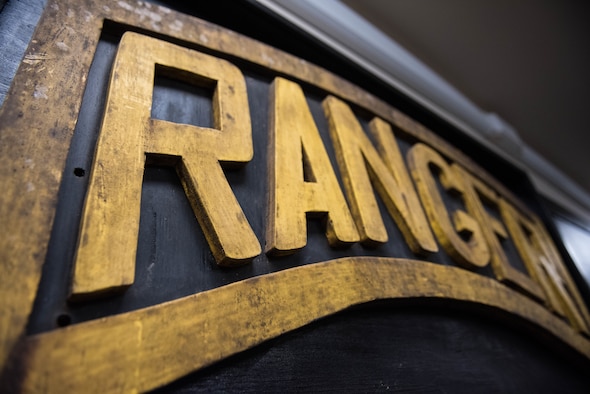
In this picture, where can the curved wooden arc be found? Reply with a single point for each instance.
(147, 348)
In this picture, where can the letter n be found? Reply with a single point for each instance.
(362, 166)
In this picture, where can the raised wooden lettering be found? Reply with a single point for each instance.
(301, 178)
(362, 166)
(539, 253)
(107, 246)
(473, 190)
(469, 254)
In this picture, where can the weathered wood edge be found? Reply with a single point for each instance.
(35, 160)
(37, 122)
(147, 348)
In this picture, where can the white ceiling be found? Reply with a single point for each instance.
(526, 60)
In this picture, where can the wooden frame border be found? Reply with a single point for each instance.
(54, 70)
(147, 348)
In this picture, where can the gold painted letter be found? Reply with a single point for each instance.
(105, 258)
(301, 178)
(538, 251)
(472, 253)
(361, 165)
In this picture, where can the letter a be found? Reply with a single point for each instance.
(295, 141)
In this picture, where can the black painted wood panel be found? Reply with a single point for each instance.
(173, 258)
(388, 347)
(382, 347)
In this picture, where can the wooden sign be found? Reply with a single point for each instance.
(310, 194)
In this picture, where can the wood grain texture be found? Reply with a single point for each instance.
(106, 254)
(159, 344)
(17, 24)
(301, 177)
(363, 169)
(34, 140)
(471, 252)
(473, 192)
(203, 35)
(546, 267)
(404, 347)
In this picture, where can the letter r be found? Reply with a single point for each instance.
(106, 252)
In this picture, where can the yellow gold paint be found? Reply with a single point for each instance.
(141, 350)
(144, 349)
(545, 265)
(473, 190)
(296, 152)
(36, 126)
(566, 284)
(472, 253)
(106, 251)
(363, 168)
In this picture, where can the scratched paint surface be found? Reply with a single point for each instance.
(174, 260)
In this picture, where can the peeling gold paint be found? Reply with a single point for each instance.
(85, 357)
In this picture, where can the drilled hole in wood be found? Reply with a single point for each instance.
(63, 320)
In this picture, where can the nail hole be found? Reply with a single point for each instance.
(79, 172)
(64, 320)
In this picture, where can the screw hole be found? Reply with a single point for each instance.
(64, 320)
(79, 172)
